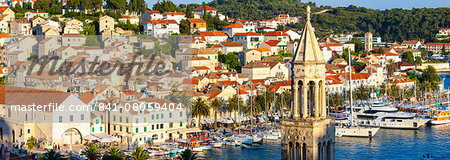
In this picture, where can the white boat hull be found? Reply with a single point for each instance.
(434, 122)
(403, 124)
(217, 145)
(356, 131)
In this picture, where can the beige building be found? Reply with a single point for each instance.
(106, 23)
(36, 20)
(32, 14)
(52, 125)
(256, 70)
(20, 26)
(140, 126)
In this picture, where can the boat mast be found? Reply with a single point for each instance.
(350, 86)
(237, 82)
(251, 108)
(415, 95)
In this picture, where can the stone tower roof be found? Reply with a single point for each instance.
(308, 49)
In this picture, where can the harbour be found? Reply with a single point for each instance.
(392, 143)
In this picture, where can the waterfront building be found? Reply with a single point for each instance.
(45, 119)
(308, 133)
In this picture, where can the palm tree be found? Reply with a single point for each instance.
(187, 155)
(391, 67)
(216, 104)
(31, 143)
(113, 154)
(139, 154)
(51, 155)
(361, 92)
(232, 105)
(91, 152)
(199, 109)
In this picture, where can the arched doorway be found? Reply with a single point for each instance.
(13, 136)
(72, 136)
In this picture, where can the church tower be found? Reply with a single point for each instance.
(368, 41)
(309, 133)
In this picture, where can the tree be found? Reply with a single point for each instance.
(359, 66)
(91, 41)
(359, 46)
(188, 12)
(91, 152)
(216, 104)
(51, 155)
(187, 154)
(114, 153)
(140, 154)
(184, 27)
(391, 68)
(336, 100)
(199, 109)
(232, 104)
(443, 52)
(362, 93)
(430, 75)
(166, 6)
(418, 61)
(231, 60)
(31, 143)
(408, 57)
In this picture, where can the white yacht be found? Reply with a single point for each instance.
(348, 128)
(345, 129)
(383, 119)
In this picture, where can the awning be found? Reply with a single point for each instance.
(192, 130)
(206, 121)
(90, 138)
(226, 120)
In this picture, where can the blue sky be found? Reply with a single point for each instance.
(375, 4)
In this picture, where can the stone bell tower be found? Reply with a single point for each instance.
(309, 133)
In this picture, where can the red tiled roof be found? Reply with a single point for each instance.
(231, 44)
(276, 33)
(234, 25)
(332, 80)
(247, 34)
(190, 81)
(153, 12)
(196, 20)
(128, 92)
(208, 8)
(410, 42)
(399, 80)
(242, 92)
(212, 33)
(162, 21)
(391, 54)
(356, 76)
(437, 44)
(87, 97)
(201, 68)
(332, 44)
(272, 43)
(227, 82)
(174, 13)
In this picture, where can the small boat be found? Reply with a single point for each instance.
(248, 141)
(441, 116)
(197, 149)
(217, 144)
(252, 146)
(208, 147)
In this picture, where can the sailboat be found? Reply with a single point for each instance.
(346, 127)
